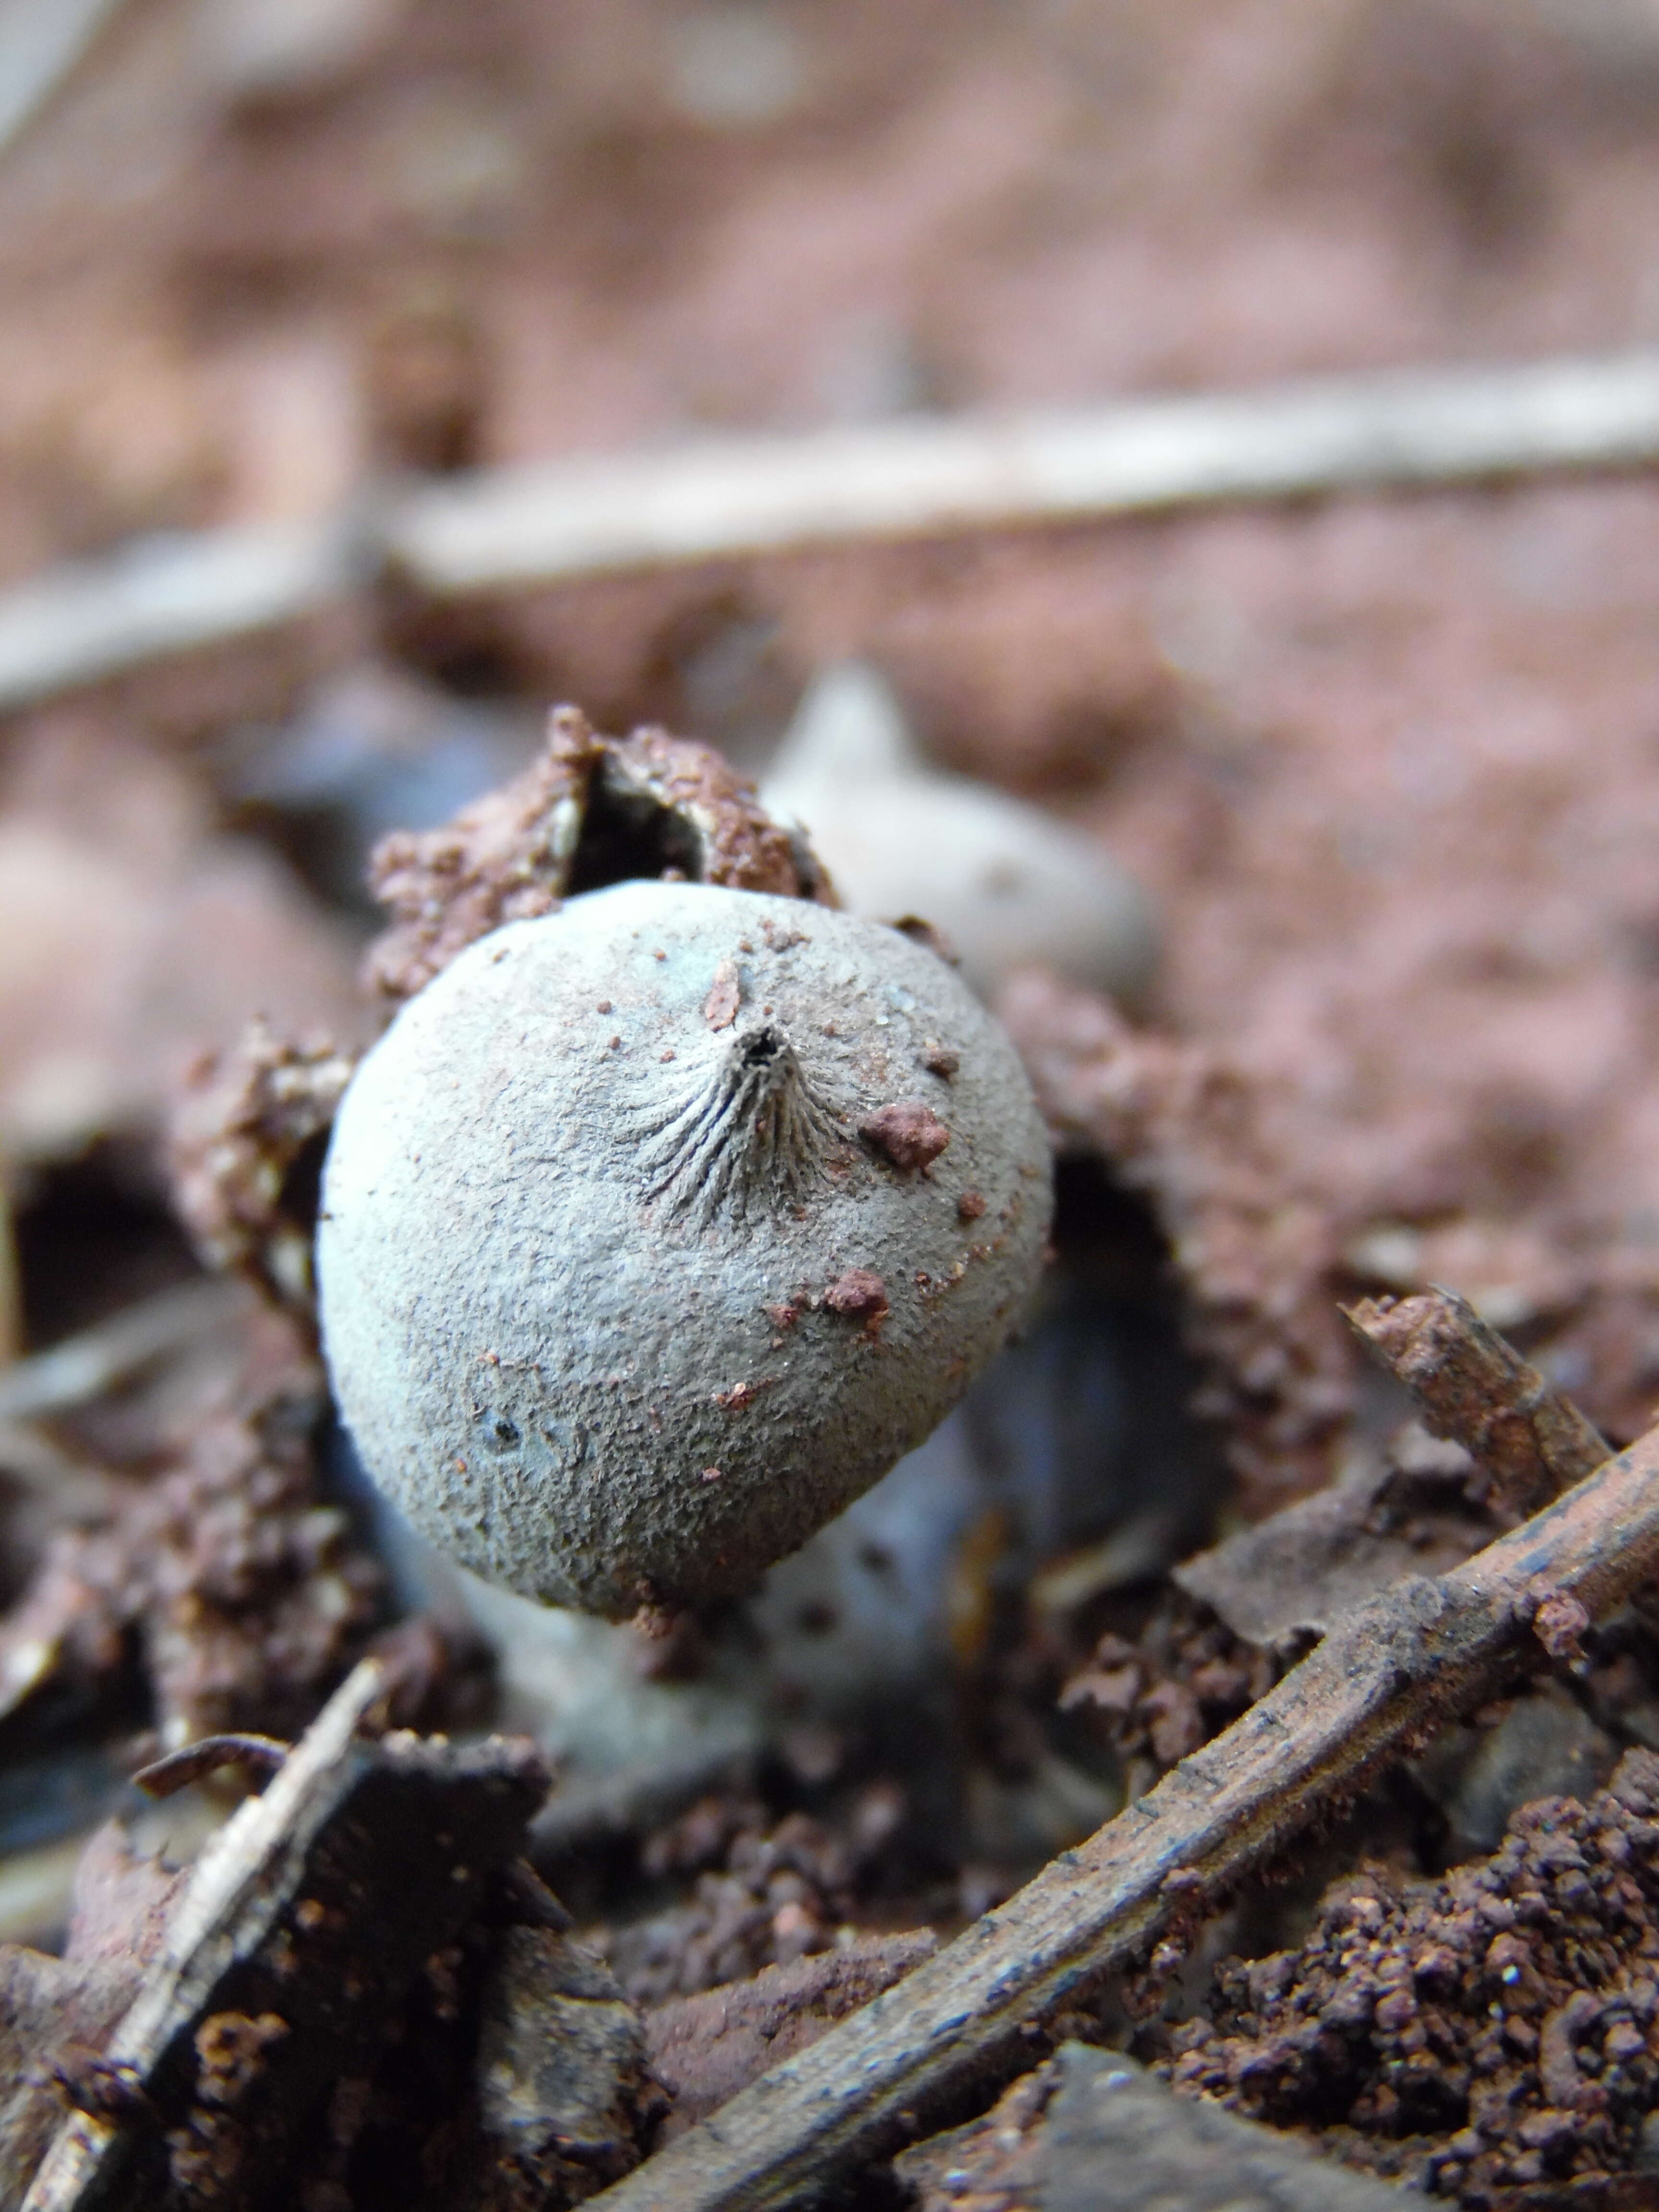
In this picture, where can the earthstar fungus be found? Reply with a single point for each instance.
(571, 1189)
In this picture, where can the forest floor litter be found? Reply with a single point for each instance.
(1226, 1755)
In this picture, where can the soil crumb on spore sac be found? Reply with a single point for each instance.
(1493, 2030)
(907, 1132)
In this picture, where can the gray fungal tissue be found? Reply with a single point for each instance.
(1007, 884)
(655, 1230)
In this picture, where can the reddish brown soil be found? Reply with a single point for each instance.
(1389, 767)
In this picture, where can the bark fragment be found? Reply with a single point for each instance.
(704, 2049)
(1294, 1574)
(1088, 2114)
(563, 2093)
(274, 1981)
(1529, 1442)
(55, 2016)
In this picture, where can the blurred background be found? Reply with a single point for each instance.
(1369, 785)
(261, 258)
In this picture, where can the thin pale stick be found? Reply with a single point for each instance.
(83, 1367)
(724, 498)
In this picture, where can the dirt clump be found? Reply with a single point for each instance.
(772, 1895)
(246, 1145)
(1494, 2029)
(1162, 1695)
(589, 811)
(239, 1589)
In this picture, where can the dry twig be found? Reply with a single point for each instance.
(1386, 1675)
(262, 1756)
(539, 525)
(76, 1489)
(274, 1978)
(923, 477)
(1475, 1390)
(83, 1367)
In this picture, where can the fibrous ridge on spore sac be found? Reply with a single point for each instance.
(751, 1133)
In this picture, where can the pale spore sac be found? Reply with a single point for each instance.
(524, 1225)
